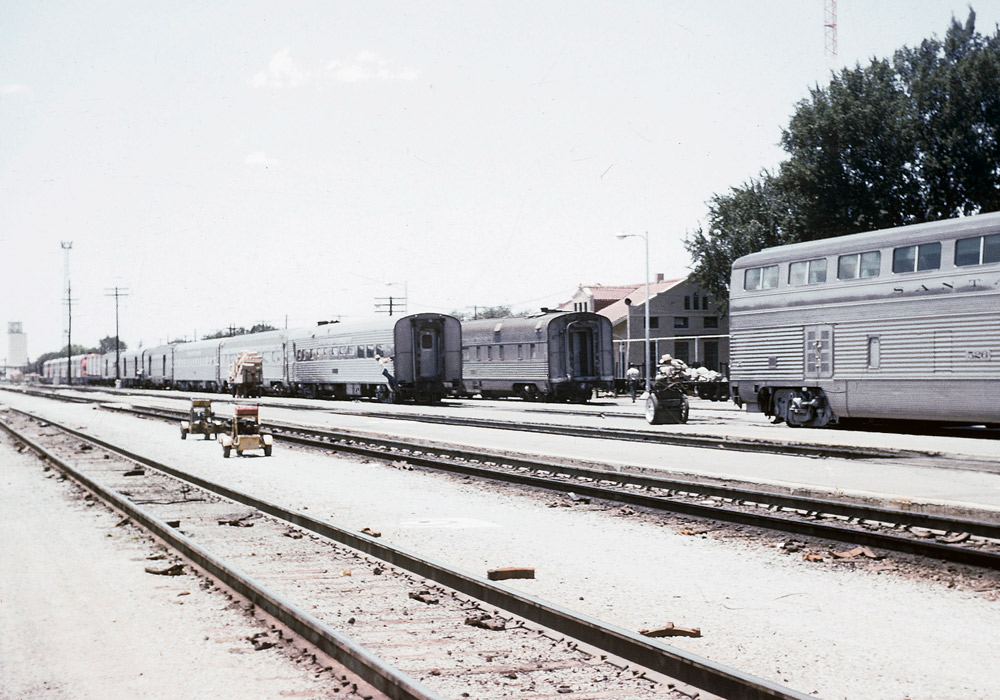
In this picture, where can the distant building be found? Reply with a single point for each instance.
(17, 346)
(683, 322)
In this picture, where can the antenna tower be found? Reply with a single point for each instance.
(830, 27)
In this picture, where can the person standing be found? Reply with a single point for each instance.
(632, 378)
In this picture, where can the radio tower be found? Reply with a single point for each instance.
(830, 26)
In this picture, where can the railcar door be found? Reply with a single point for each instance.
(581, 352)
(429, 358)
(818, 352)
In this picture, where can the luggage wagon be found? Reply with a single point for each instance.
(244, 433)
(201, 421)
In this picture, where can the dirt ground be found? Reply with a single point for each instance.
(81, 618)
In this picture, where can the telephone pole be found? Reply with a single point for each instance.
(67, 246)
(117, 292)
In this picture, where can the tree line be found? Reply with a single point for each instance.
(899, 141)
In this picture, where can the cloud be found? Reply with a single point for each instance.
(14, 89)
(281, 72)
(368, 65)
(260, 158)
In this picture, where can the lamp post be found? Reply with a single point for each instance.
(645, 351)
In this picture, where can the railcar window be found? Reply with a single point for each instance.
(760, 278)
(500, 352)
(489, 353)
(534, 352)
(807, 272)
(978, 250)
(917, 257)
(520, 352)
(859, 265)
(874, 352)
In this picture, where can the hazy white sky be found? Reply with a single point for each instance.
(245, 161)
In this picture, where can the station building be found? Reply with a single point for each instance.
(684, 321)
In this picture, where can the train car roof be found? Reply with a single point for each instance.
(539, 320)
(348, 327)
(859, 242)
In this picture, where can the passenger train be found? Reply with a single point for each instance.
(901, 323)
(555, 355)
(415, 358)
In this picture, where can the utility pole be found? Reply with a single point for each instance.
(117, 292)
(67, 246)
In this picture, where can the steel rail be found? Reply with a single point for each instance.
(673, 662)
(373, 670)
(730, 444)
(428, 455)
(896, 543)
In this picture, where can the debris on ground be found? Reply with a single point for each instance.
(175, 570)
(672, 630)
(857, 551)
(487, 622)
(510, 572)
(424, 596)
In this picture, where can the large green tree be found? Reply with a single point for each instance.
(911, 139)
(107, 344)
(748, 218)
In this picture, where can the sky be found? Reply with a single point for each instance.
(231, 163)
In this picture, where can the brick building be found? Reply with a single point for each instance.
(683, 321)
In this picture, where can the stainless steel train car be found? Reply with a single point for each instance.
(272, 346)
(196, 366)
(901, 323)
(557, 355)
(85, 369)
(416, 357)
(158, 367)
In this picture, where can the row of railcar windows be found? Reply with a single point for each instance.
(342, 352)
(486, 353)
(977, 250)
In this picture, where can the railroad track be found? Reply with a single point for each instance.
(946, 538)
(728, 443)
(355, 598)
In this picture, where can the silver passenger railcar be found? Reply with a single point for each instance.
(196, 366)
(901, 323)
(272, 346)
(416, 357)
(158, 367)
(558, 355)
(85, 369)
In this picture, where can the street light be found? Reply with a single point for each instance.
(645, 351)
